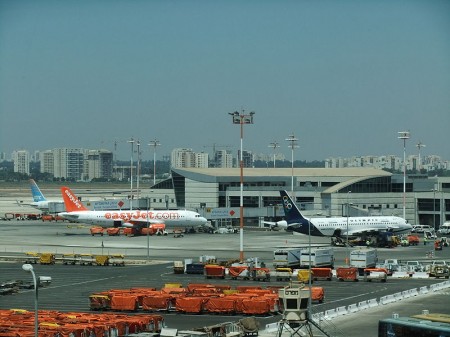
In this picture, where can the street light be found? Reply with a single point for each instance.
(138, 169)
(131, 141)
(241, 119)
(274, 145)
(434, 208)
(154, 143)
(404, 135)
(293, 144)
(419, 146)
(347, 244)
(29, 268)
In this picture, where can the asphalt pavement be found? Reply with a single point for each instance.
(72, 284)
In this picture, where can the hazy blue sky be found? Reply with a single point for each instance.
(344, 75)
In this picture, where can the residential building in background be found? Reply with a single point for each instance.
(21, 160)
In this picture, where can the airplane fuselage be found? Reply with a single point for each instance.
(352, 225)
(119, 218)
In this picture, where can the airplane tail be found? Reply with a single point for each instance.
(36, 192)
(291, 211)
(71, 201)
(294, 218)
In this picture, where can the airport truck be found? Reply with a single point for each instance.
(287, 258)
(362, 259)
(319, 257)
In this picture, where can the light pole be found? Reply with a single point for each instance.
(154, 143)
(241, 119)
(419, 146)
(404, 135)
(274, 145)
(347, 244)
(29, 268)
(148, 229)
(292, 144)
(138, 168)
(434, 209)
(131, 141)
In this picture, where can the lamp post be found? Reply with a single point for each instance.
(274, 145)
(148, 229)
(241, 119)
(154, 143)
(434, 208)
(347, 244)
(404, 135)
(419, 146)
(29, 268)
(292, 144)
(138, 168)
(131, 141)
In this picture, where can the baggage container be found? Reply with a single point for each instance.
(322, 274)
(347, 274)
(214, 271)
(47, 258)
(195, 268)
(102, 260)
(304, 275)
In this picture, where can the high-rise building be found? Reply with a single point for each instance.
(98, 164)
(68, 163)
(21, 160)
(47, 162)
(223, 158)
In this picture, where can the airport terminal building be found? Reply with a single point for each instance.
(215, 193)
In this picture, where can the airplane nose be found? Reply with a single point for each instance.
(203, 220)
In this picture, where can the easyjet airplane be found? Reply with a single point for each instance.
(76, 211)
(338, 226)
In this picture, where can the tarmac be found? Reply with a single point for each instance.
(71, 285)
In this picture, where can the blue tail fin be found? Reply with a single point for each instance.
(294, 218)
(36, 192)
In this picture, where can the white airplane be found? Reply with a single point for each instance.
(76, 211)
(338, 226)
(39, 201)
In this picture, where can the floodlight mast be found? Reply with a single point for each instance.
(154, 143)
(131, 141)
(292, 144)
(274, 145)
(241, 118)
(404, 135)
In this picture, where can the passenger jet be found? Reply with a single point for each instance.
(39, 201)
(338, 226)
(76, 211)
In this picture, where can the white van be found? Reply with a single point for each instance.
(421, 228)
(445, 228)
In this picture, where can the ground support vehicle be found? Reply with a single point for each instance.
(305, 276)
(31, 257)
(281, 274)
(375, 274)
(102, 260)
(178, 267)
(195, 268)
(214, 271)
(239, 272)
(317, 294)
(318, 257)
(260, 274)
(70, 258)
(47, 258)
(322, 274)
(117, 260)
(414, 266)
(87, 259)
(96, 230)
(363, 258)
(347, 274)
(438, 268)
(287, 258)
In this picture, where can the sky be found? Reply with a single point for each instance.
(344, 77)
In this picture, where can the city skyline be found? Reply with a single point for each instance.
(344, 77)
